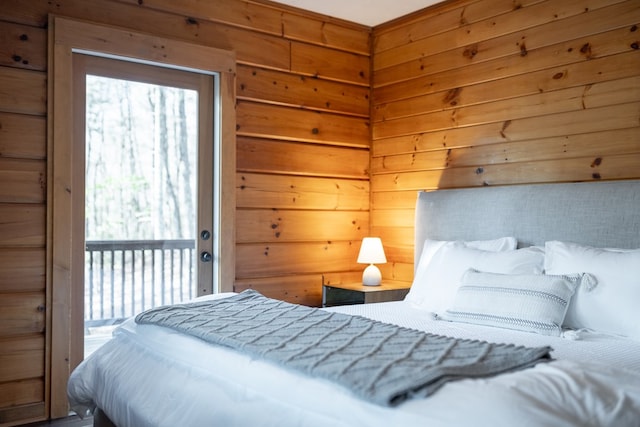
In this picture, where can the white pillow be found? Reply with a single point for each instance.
(613, 306)
(526, 302)
(430, 247)
(434, 287)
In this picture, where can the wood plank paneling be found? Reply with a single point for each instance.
(23, 136)
(257, 225)
(303, 153)
(466, 93)
(22, 225)
(20, 393)
(552, 44)
(277, 259)
(22, 270)
(22, 181)
(22, 46)
(572, 123)
(326, 32)
(23, 91)
(271, 121)
(335, 65)
(544, 92)
(22, 313)
(519, 19)
(591, 144)
(284, 157)
(21, 358)
(295, 192)
(295, 90)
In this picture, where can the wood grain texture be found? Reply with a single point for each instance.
(338, 125)
(487, 94)
(303, 123)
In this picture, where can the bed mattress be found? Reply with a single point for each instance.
(593, 381)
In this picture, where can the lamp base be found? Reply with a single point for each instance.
(371, 276)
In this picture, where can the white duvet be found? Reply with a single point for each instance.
(152, 376)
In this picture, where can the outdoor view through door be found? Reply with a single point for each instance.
(141, 195)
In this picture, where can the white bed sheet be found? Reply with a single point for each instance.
(152, 376)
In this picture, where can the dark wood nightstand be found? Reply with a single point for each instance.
(357, 293)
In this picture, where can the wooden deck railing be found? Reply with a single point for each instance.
(125, 277)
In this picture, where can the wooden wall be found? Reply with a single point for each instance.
(303, 141)
(494, 92)
(467, 93)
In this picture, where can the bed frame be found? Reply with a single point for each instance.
(601, 214)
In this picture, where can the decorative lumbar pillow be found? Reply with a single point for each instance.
(613, 306)
(434, 286)
(526, 302)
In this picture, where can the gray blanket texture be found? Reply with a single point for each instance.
(382, 363)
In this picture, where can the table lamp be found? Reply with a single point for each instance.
(371, 252)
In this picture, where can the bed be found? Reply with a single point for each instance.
(478, 253)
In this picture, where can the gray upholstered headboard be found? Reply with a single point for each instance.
(601, 214)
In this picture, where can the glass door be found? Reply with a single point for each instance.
(148, 184)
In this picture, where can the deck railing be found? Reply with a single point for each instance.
(125, 277)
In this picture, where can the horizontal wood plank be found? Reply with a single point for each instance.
(22, 225)
(586, 72)
(22, 313)
(269, 19)
(597, 144)
(446, 16)
(295, 90)
(277, 259)
(303, 289)
(20, 393)
(330, 64)
(353, 38)
(293, 192)
(521, 52)
(23, 91)
(557, 170)
(284, 157)
(518, 20)
(22, 181)
(271, 121)
(256, 225)
(543, 106)
(22, 358)
(22, 270)
(23, 136)
(575, 122)
(22, 46)
(393, 200)
(398, 271)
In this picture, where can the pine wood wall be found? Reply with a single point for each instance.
(494, 92)
(467, 93)
(302, 146)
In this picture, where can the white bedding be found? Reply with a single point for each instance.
(151, 376)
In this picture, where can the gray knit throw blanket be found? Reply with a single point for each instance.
(382, 363)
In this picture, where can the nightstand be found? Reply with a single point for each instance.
(357, 293)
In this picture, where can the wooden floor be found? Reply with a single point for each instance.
(73, 421)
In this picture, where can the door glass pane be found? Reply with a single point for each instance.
(140, 200)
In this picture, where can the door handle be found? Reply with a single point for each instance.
(205, 256)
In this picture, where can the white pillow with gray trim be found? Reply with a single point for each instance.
(525, 302)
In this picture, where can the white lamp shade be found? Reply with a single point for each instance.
(371, 251)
